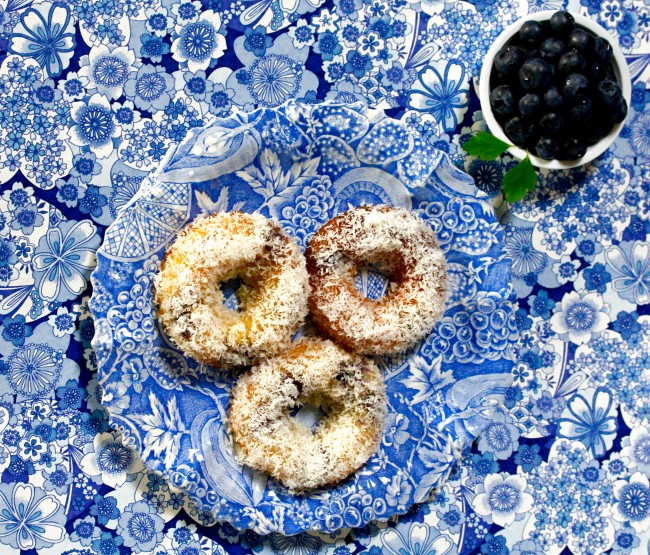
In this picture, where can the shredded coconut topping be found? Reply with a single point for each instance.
(272, 297)
(398, 243)
(350, 390)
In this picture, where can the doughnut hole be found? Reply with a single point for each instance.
(309, 412)
(231, 291)
(373, 279)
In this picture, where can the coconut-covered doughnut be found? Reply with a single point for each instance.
(349, 389)
(402, 247)
(272, 297)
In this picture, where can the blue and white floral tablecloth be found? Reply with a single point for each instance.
(92, 95)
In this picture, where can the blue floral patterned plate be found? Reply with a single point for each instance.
(302, 164)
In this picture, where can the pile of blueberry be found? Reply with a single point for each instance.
(554, 90)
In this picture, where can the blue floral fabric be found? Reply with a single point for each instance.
(92, 96)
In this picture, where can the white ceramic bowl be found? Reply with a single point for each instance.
(622, 76)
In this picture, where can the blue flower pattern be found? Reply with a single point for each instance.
(95, 94)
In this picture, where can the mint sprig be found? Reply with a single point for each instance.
(517, 181)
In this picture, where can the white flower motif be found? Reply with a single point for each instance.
(630, 264)
(134, 372)
(636, 450)
(109, 461)
(63, 322)
(46, 33)
(18, 196)
(186, 11)
(107, 70)
(30, 519)
(33, 369)
(351, 40)
(580, 316)
(85, 531)
(502, 499)
(590, 417)
(371, 44)
(442, 89)
(140, 526)
(125, 115)
(326, 21)
(32, 448)
(4, 417)
(38, 410)
(302, 34)
(398, 492)
(151, 88)
(640, 138)
(633, 501)
(182, 534)
(403, 20)
(73, 86)
(158, 21)
(430, 7)
(566, 269)
(415, 539)
(500, 437)
(611, 13)
(200, 42)
(614, 467)
(64, 258)
(115, 397)
(93, 125)
(389, 56)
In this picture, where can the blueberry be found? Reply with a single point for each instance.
(519, 130)
(599, 71)
(508, 60)
(582, 110)
(592, 131)
(535, 74)
(582, 41)
(530, 105)
(553, 99)
(530, 51)
(502, 100)
(498, 78)
(573, 149)
(550, 124)
(609, 92)
(617, 111)
(571, 62)
(602, 50)
(575, 86)
(532, 33)
(562, 23)
(546, 148)
(551, 49)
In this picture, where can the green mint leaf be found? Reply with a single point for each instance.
(519, 180)
(485, 145)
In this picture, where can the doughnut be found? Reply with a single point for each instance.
(272, 297)
(350, 391)
(399, 245)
